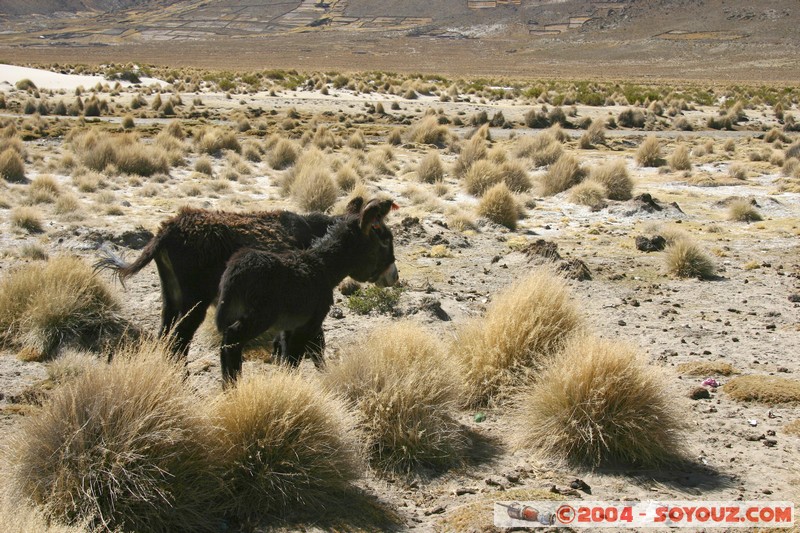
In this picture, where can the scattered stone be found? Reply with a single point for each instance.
(575, 269)
(336, 313)
(769, 443)
(434, 307)
(439, 509)
(652, 244)
(783, 370)
(794, 298)
(543, 249)
(460, 491)
(766, 491)
(580, 484)
(622, 323)
(700, 393)
(494, 483)
(512, 477)
(770, 433)
(565, 492)
(754, 437)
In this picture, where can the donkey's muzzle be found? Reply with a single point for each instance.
(388, 277)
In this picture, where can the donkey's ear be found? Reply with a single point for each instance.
(374, 212)
(354, 206)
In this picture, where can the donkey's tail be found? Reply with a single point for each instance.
(121, 269)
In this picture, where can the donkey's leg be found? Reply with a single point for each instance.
(234, 338)
(305, 339)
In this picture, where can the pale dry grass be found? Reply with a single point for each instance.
(405, 390)
(46, 305)
(685, 259)
(649, 152)
(616, 179)
(601, 404)
(764, 389)
(12, 167)
(743, 211)
(121, 444)
(27, 218)
(566, 172)
(499, 205)
(542, 149)
(283, 443)
(430, 168)
(680, 159)
(428, 131)
(589, 193)
(524, 326)
(214, 140)
(706, 368)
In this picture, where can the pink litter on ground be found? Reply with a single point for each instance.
(710, 382)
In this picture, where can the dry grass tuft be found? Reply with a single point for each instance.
(313, 189)
(430, 168)
(27, 218)
(405, 389)
(12, 167)
(44, 306)
(616, 179)
(481, 176)
(429, 131)
(524, 326)
(542, 149)
(563, 174)
(706, 368)
(680, 160)
(472, 152)
(124, 152)
(685, 259)
(792, 428)
(213, 141)
(601, 404)
(765, 389)
(500, 206)
(121, 445)
(283, 154)
(590, 193)
(649, 153)
(283, 443)
(737, 171)
(743, 211)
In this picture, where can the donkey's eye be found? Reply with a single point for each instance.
(376, 225)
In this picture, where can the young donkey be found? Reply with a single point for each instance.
(192, 249)
(293, 292)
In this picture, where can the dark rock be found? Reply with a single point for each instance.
(575, 269)
(336, 313)
(651, 244)
(580, 484)
(769, 443)
(542, 249)
(434, 307)
(700, 393)
(754, 437)
(794, 298)
(439, 509)
(460, 491)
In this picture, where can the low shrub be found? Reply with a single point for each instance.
(600, 404)
(406, 391)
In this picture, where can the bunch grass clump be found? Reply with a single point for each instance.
(649, 153)
(601, 404)
(124, 152)
(406, 391)
(743, 211)
(282, 443)
(685, 259)
(566, 172)
(430, 168)
(314, 189)
(499, 205)
(12, 167)
(525, 325)
(680, 160)
(46, 305)
(616, 179)
(542, 149)
(765, 389)
(213, 141)
(589, 193)
(121, 446)
(27, 218)
(429, 131)
(707, 368)
(283, 154)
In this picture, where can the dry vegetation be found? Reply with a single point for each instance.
(495, 378)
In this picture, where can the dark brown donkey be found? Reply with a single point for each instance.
(192, 249)
(293, 292)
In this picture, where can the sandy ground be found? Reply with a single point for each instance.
(744, 317)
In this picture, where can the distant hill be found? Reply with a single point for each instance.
(697, 38)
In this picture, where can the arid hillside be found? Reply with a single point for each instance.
(731, 40)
